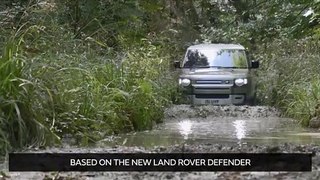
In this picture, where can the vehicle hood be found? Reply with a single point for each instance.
(213, 72)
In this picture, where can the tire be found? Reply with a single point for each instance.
(252, 101)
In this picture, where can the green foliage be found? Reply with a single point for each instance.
(20, 124)
(289, 77)
(253, 23)
(58, 79)
(83, 95)
(303, 100)
(92, 68)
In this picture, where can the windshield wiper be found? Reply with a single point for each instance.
(218, 67)
(206, 67)
(235, 67)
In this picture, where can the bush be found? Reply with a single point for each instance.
(20, 123)
(46, 96)
(289, 77)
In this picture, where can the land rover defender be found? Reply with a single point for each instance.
(218, 74)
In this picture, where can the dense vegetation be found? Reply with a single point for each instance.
(93, 68)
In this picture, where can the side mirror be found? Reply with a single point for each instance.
(255, 64)
(177, 64)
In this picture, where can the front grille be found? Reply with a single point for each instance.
(212, 96)
(210, 88)
(209, 82)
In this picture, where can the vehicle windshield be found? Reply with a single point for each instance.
(225, 58)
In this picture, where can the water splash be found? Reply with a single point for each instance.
(185, 128)
(240, 127)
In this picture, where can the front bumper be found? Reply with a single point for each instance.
(216, 94)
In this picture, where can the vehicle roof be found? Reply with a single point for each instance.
(216, 46)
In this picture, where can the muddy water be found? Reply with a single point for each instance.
(243, 127)
(203, 129)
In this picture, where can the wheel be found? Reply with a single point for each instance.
(252, 101)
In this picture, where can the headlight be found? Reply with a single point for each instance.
(241, 82)
(184, 82)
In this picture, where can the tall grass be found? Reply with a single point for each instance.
(304, 98)
(290, 77)
(49, 95)
(20, 124)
